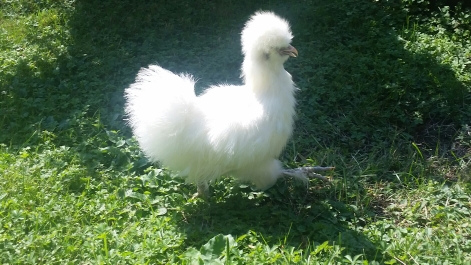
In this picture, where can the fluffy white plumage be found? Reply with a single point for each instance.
(228, 130)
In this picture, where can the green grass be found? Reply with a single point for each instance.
(384, 97)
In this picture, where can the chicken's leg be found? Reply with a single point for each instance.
(202, 190)
(305, 173)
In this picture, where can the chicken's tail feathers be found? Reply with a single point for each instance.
(160, 85)
(158, 104)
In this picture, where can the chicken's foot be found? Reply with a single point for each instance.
(305, 173)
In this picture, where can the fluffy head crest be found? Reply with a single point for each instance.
(264, 31)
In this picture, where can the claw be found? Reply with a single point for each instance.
(304, 173)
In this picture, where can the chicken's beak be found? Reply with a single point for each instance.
(290, 50)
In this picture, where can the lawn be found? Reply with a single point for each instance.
(384, 96)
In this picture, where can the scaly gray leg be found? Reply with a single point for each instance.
(304, 173)
(202, 190)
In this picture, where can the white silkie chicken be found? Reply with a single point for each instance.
(228, 130)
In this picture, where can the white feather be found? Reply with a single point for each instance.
(229, 130)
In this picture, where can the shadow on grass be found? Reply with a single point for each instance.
(358, 84)
(361, 87)
(285, 215)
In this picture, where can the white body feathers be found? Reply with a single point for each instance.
(234, 131)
